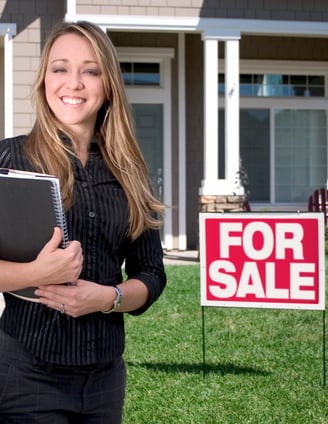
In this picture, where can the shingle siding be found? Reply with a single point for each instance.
(284, 48)
(309, 10)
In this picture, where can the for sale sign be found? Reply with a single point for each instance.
(262, 260)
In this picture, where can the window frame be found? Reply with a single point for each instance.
(273, 103)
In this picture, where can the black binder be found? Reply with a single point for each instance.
(30, 208)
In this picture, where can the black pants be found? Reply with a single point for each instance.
(32, 392)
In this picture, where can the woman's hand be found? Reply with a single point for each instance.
(84, 297)
(55, 265)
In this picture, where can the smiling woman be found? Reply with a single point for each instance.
(84, 135)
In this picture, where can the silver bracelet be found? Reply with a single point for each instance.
(117, 301)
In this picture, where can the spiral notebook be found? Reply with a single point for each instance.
(30, 208)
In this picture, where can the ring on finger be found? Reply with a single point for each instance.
(62, 308)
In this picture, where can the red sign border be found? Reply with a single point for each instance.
(204, 216)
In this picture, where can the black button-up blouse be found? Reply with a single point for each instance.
(99, 220)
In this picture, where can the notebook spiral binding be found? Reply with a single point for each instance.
(60, 213)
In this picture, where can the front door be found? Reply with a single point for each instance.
(149, 127)
(149, 93)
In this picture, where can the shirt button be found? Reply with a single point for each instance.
(84, 184)
(91, 214)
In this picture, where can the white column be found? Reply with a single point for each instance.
(211, 185)
(182, 243)
(10, 31)
(232, 111)
(71, 7)
(210, 116)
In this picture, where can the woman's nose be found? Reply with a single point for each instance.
(74, 81)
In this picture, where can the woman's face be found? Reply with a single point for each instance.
(73, 83)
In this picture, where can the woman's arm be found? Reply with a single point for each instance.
(144, 263)
(146, 281)
(53, 265)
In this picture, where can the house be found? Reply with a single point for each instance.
(229, 97)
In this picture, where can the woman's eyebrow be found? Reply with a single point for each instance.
(86, 62)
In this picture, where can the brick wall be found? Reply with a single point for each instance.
(221, 203)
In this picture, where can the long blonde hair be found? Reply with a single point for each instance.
(47, 152)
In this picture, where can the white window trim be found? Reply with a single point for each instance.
(282, 66)
(285, 68)
(8, 31)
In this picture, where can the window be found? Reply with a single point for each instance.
(283, 131)
(300, 153)
(284, 158)
(278, 85)
(141, 74)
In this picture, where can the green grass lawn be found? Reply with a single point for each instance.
(262, 366)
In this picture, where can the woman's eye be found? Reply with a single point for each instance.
(58, 70)
(94, 72)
